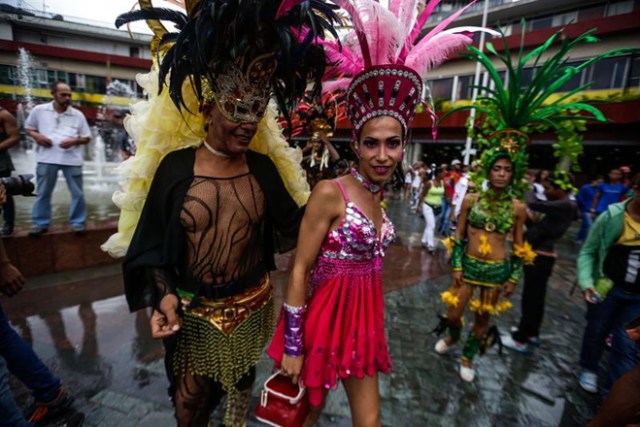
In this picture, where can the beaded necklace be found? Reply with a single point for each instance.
(374, 188)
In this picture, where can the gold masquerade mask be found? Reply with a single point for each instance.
(242, 98)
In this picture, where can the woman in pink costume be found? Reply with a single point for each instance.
(344, 234)
(334, 328)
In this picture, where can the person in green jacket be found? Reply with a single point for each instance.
(609, 275)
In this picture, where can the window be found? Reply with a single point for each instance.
(634, 74)
(464, 87)
(6, 74)
(63, 76)
(541, 23)
(504, 77)
(525, 77)
(134, 51)
(574, 81)
(608, 73)
(442, 88)
(95, 84)
(591, 13)
(563, 19)
(51, 77)
(40, 78)
(81, 82)
(619, 8)
(72, 80)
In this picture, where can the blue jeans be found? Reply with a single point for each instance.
(11, 413)
(610, 316)
(47, 175)
(586, 225)
(25, 364)
(444, 218)
(9, 207)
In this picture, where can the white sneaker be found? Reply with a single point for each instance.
(589, 381)
(511, 344)
(441, 347)
(467, 374)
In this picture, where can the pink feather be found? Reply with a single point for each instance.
(354, 12)
(343, 59)
(338, 84)
(377, 29)
(286, 6)
(428, 54)
(422, 19)
(445, 22)
(406, 12)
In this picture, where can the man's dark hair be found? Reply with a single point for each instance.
(539, 175)
(558, 180)
(54, 85)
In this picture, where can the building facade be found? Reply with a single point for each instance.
(100, 64)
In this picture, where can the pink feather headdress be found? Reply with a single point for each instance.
(377, 63)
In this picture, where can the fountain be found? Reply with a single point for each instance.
(25, 68)
(25, 71)
(117, 88)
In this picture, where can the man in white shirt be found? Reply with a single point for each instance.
(460, 191)
(60, 131)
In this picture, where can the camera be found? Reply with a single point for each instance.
(19, 185)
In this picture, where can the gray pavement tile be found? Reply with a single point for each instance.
(161, 418)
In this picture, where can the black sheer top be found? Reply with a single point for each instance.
(222, 220)
(203, 234)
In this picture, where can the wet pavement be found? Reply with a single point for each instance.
(79, 324)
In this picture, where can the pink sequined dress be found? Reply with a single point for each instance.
(344, 325)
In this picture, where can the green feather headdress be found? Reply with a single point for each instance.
(526, 108)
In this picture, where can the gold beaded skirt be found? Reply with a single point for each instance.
(223, 339)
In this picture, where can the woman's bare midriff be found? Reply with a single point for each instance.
(494, 239)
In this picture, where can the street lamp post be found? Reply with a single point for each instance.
(476, 82)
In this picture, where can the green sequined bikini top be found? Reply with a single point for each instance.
(480, 219)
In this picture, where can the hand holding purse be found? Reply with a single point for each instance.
(282, 403)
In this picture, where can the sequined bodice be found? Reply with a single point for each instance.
(354, 249)
(356, 237)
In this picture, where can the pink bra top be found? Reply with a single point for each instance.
(356, 237)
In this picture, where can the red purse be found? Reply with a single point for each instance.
(282, 403)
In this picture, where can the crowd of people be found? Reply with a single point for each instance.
(225, 192)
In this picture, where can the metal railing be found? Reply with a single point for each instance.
(446, 9)
(57, 17)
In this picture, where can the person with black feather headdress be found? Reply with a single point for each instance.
(226, 193)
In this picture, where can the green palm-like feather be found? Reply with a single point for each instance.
(517, 106)
(527, 107)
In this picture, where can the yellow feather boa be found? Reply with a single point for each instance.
(159, 128)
